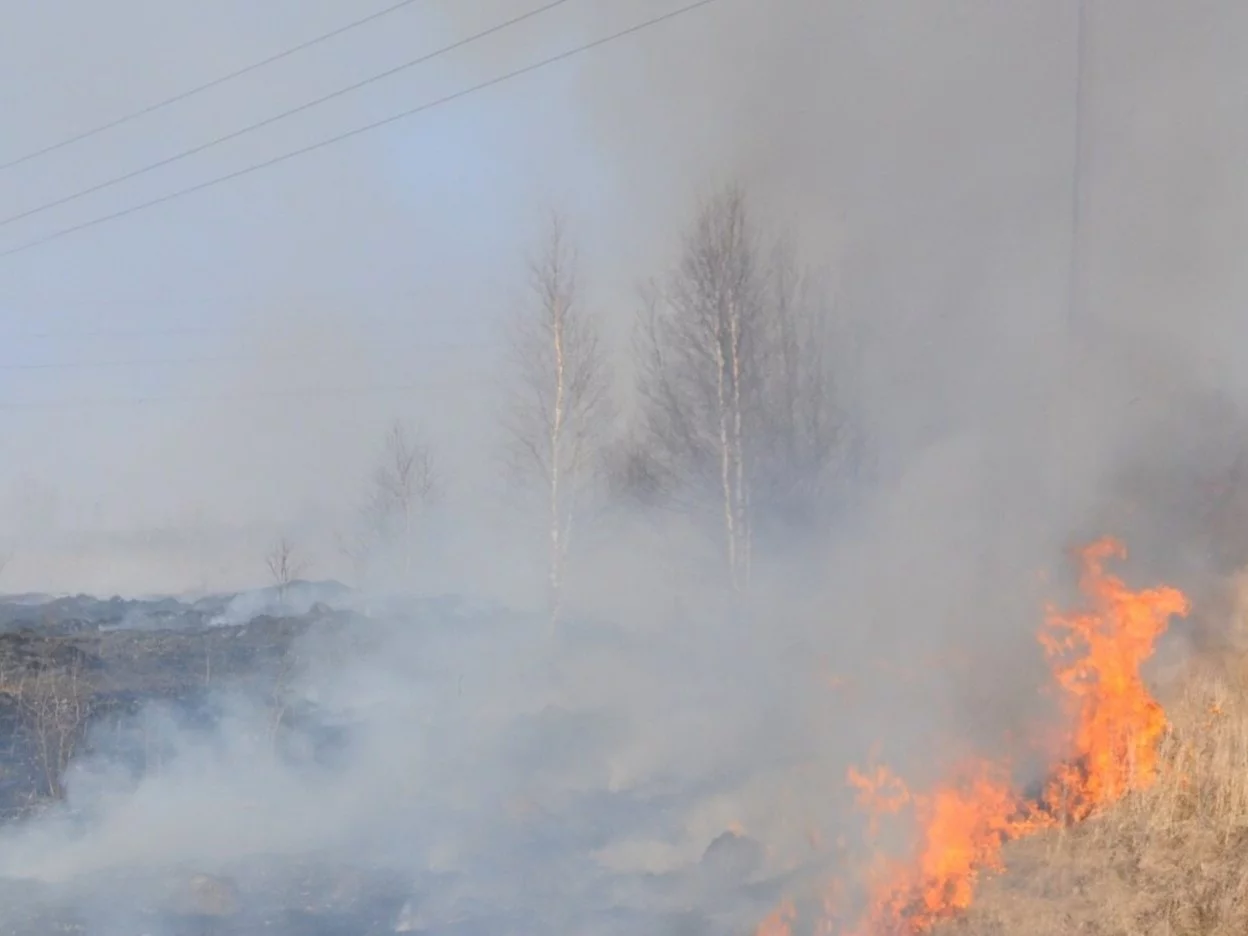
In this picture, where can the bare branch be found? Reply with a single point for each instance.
(698, 374)
(283, 565)
(404, 485)
(561, 407)
(56, 704)
(737, 398)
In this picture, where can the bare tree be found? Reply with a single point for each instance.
(699, 332)
(799, 431)
(56, 704)
(404, 484)
(737, 394)
(561, 405)
(284, 566)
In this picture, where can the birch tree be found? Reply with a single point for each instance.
(404, 484)
(800, 430)
(700, 328)
(561, 399)
(738, 400)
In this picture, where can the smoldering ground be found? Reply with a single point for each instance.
(493, 776)
(674, 765)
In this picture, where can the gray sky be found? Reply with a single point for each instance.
(377, 263)
(923, 150)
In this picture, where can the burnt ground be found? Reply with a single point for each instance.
(79, 677)
(74, 672)
(60, 685)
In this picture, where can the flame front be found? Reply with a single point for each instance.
(1111, 748)
(1096, 657)
(961, 827)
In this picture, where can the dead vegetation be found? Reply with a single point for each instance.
(284, 566)
(55, 690)
(56, 707)
(1171, 860)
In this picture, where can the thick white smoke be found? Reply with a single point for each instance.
(513, 781)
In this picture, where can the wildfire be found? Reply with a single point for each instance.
(1114, 726)
(961, 829)
(779, 921)
(1096, 656)
(880, 793)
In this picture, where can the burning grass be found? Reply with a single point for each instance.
(1171, 858)
(1140, 827)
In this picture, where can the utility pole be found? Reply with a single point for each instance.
(1075, 313)
(1076, 331)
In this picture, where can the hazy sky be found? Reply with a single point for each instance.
(374, 264)
(922, 149)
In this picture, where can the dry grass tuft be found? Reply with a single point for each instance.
(1171, 860)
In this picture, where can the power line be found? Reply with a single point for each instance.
(338, 138)
(1074, 271)
(182, 96)
(267, 121)
(171, 330)
(142, 332)
(247, 298)
(229, 359)
(122, 402)
(396, 321)
(381, 319)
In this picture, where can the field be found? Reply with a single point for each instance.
(431, 766)
(1166, 860)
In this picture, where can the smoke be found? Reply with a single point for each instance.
(922, 153)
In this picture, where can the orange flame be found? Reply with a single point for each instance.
(1111, 749)
(880, 793)
(1096, 657)
(779, 922)
(961, 828)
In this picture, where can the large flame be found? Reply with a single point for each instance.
(1113, 728)
(960, 826)
(1096, 656)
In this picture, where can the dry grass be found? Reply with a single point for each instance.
(1172, 860)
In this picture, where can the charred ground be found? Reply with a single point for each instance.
(80, 689)
(77, 673)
